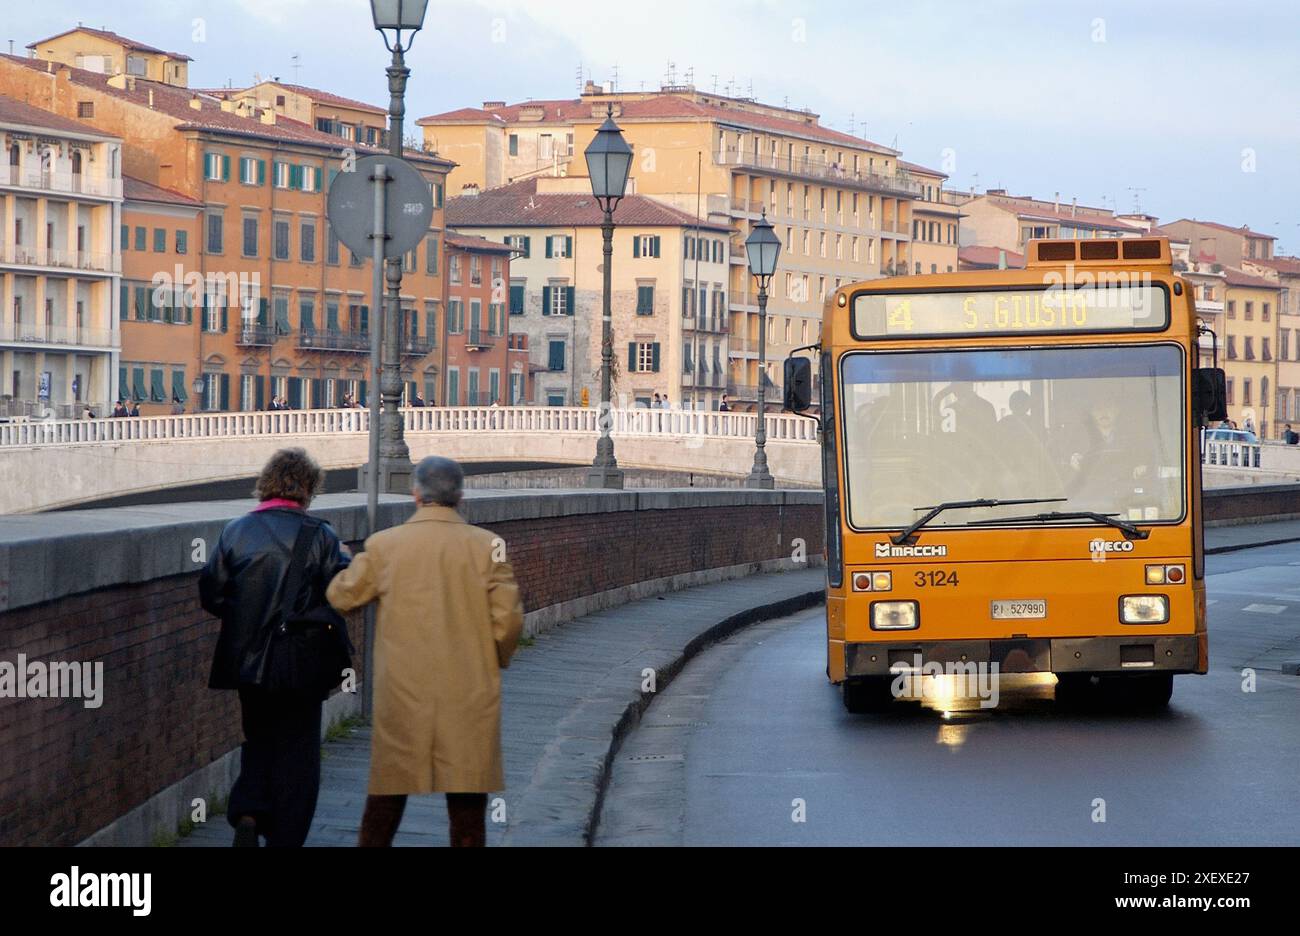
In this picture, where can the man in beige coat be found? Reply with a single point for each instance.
(448, 622)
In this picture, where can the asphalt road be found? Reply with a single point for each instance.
(750, 739)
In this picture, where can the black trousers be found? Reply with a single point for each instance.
(279, 772)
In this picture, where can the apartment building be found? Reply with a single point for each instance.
(348, 119)
(1250, 338)
(1285, 272)
(107, 53)
(160, 234)
(1010, 222)
(1220, 243)
(278, 307)
(60, 205)
(841, 204)
(936, 223)
(669, 299)
(486, 362)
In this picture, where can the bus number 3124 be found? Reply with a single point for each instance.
(937, 579)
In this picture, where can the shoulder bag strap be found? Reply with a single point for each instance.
(297, 566)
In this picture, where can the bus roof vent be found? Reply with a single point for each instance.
(1099, 250)
(1142, 249)
(1055, 251)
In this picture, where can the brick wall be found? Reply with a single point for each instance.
(68, 771)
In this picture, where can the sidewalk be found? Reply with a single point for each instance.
(1226, 539)
(567, 701)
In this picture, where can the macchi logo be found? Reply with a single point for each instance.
(890, 551)
(1105, 546)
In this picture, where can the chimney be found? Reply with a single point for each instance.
(151, 99)
(1074, 206)
(196, 103)
(470, 189)
(1057, 205)
(228, 105)
(493, 105)
(268, 118)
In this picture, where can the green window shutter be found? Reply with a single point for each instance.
(167, 313)
(261, 172)
(225, 391)
(317, 394)
(122, 387)
(631, 357)
(654, 357)
(179, 393)
(262, 306)
(528, 247)
(225, 168)
(319, 175)
(126, 237)
(365, 318)
(568, 246)
(546, 300)
(157, 388)
(568, 299)
(225, 318)
(548, 248)
(636, 248)
(361, 393)
(655, 244)
(516, 300)
(259, 392)
(141, 303)
(138, 390)
(124, 303)
(295, 392)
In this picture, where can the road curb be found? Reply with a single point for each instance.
(1242, 547)
(664, 676)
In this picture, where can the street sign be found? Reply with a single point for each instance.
(408, 214)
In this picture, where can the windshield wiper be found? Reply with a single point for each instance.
(908, 535)
(1130, 531)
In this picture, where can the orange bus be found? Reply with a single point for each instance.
(1012, 475)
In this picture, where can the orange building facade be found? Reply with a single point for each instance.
(485, 363)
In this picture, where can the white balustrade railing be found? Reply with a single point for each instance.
(668, 424)
(1231, 454)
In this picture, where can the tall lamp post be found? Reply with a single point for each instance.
(762, 248)
(198, 385)
(609, 161)
(394, 457)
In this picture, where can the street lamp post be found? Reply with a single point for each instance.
(394, 456)
(762, 248)
(609, 161)
(198, 386)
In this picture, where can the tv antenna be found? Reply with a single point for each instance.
(297, 64)
(1137, 198)
(615, 76)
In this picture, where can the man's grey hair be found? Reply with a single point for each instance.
(439, 481)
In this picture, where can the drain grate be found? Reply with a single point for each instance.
(651, 758)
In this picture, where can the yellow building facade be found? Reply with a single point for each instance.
(107, 53)
(1250, 338)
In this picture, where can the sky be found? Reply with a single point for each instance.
(1184, 108)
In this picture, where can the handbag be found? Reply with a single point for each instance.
(307, 651)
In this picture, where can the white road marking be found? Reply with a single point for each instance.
(1265, 608)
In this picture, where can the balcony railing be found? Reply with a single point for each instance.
(329, 340)
(255, 336)
(31, 332)
(87, 260)
(417, 347)
(57, 181)
(808, 167)
(479, 339)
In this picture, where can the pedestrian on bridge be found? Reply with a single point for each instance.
(448, 622)
(245, 583)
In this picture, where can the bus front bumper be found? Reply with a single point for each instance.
(1179, 653)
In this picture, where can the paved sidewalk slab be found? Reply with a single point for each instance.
(567, 701)
(1225, 539)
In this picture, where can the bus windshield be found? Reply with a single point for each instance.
(1099, 427)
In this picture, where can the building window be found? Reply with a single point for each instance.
(645, 300)
(141, 239)
(86, 109)
(645, 245)
(1266, 311)
(182, 242)
(159, 240)
(431, 255)
(1250, 311)
(476, 270)
(1245, 392)
(518, 292)
(521, 243)
(1232, 309)
(555, 355)
(455, 317)
(307, 241)
(332, 246)
(559, 246)
(453, 269)
(250, 237)
(281, 240)
(514, 144)
(643, 357)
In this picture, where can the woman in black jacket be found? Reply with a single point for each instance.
(243, 584)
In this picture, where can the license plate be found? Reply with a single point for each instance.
(1019, 610)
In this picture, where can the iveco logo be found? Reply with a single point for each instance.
(889, 551)
(1103, 546)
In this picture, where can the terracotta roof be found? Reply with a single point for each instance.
(113, 37)
(474, 242)
(175, 103)
(1235, 277)
(1286, 265)
(134, 189)
(520, 205)
(913, 167)
(322, 97)
(1038, 211)
(1159, 231)
(659, 106)
(1244, 230)
(989, 257)
(13, 111)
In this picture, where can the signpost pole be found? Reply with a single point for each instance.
(379, 236)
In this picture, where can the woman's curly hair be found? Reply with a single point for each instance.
(291, 474)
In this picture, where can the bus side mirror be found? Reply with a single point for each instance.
(798, 384)
(1210, 394)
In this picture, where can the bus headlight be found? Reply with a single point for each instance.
(1144, 609)
(895, 615)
